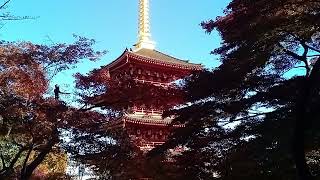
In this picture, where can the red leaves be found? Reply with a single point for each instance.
(20, 74)
(29, 120)
(26, 67)
(25, 71)
(208, 25)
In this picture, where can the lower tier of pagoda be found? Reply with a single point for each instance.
(146, 131)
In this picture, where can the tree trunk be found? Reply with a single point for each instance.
(24, 166)
(303, 118)
(27, 172)
(299, 135)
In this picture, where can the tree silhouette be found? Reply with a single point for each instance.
(262, 42)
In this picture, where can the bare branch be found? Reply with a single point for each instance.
(304, 57)
(26, 159)
(313, 48)
(226, 122)
(316, 55)
(4, 4)
(290, 53)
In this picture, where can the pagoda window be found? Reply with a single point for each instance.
(160, 132)
(164, 137)
(131, 71)
(138, 132)
(148, 73)
(139, 71)
(149, 132)
(157, 74)
(119, 75)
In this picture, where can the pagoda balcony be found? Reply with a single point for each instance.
(156, 83)
(147, 146)
(146, 111)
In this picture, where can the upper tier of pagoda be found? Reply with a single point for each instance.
(151, 59)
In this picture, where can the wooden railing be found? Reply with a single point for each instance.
(147, 111)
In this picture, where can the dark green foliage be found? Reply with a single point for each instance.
(250, 118)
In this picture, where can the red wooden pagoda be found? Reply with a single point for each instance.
(146, 127)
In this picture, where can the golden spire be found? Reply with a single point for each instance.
(144, 34)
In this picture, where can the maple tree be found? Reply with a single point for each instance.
(31, 123)
(277, 36)
(264, 43)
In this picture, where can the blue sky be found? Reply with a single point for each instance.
(113, 24)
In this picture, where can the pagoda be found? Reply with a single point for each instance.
(146, 127)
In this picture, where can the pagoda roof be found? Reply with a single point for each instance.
(144, 120)
(151, 122)
(155, 57)
(164, 58)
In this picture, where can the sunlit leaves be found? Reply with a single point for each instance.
(29, 121)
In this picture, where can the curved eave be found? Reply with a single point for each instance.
(150, 122)
(117, 61)
(120, 122)
(192, 67)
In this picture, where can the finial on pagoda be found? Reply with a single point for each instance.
(144, 34)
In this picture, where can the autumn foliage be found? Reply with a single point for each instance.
(30, 123)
